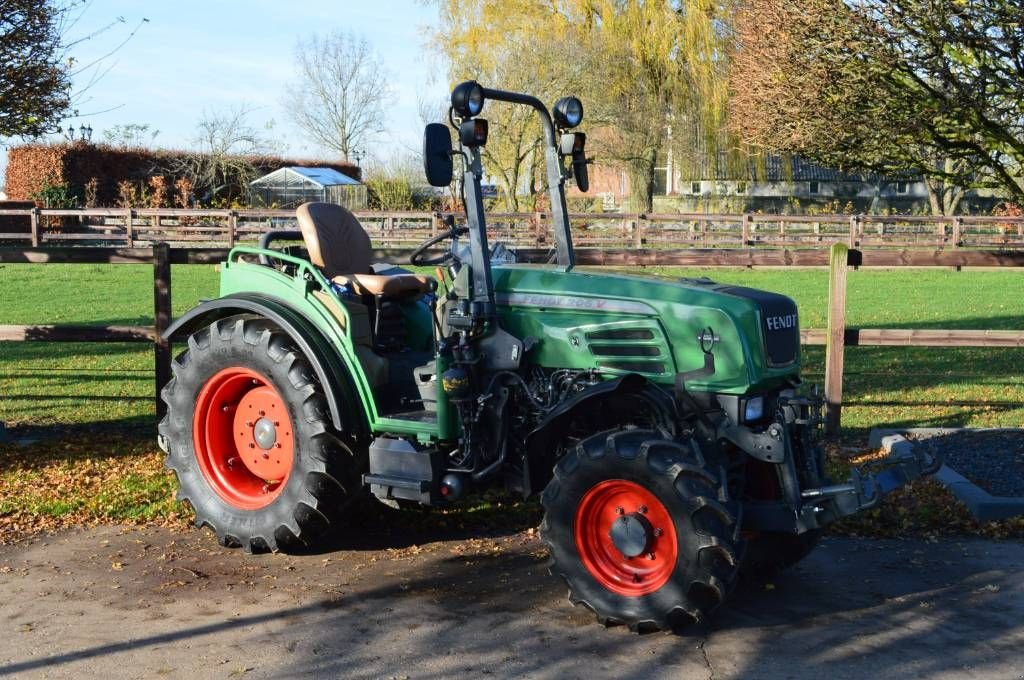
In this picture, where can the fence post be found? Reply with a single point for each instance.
(958, 224)
(638, 232)
(161, 319)
(232, 228)
(34, 220)
(746, 229)
(854, 230)
(434, 221)
(129, 227)
(835, 340)
(940, 232)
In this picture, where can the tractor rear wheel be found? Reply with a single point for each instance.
(642, 529)
(249, 438)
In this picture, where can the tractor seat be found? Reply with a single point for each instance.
(339, 245)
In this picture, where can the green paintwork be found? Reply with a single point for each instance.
(562, 310)
(238, 276)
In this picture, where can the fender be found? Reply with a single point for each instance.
(327, 363)
(540, 442)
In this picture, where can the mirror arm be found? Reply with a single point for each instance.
(556, 182)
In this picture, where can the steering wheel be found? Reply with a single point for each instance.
(418, 259)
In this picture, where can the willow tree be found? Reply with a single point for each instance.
(641, 67)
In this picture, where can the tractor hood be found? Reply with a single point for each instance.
(651, 325)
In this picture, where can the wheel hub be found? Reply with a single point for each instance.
(625, 537)
(265, 433)
(243, 439)
(631, 534)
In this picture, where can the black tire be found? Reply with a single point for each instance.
(769, 552)
(694, 494)
(324, 475)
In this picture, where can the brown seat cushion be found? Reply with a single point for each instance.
(399, 286)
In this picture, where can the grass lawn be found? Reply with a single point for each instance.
(78, 387)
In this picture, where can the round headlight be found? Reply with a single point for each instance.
(568, 112)
(468, 99)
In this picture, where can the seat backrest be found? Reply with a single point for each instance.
(336, 242)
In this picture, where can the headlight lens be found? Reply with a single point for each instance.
(468, 99)
(568, 112)
(753, 409)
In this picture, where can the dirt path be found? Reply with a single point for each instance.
(149, 603)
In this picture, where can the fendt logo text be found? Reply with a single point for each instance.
(778, 323)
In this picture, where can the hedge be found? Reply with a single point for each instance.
(32, 168)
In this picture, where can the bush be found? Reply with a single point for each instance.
(98, 171)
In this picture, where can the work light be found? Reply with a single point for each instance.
(568, 112)
(473, 133)
(468, 99)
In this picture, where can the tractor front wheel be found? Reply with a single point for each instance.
(249, 438)
(642, 529)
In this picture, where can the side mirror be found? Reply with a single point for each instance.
(437, 155)
(575, 144)
(580, 172)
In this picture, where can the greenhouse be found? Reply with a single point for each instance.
(290, 187)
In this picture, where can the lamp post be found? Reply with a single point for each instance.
(358, 154)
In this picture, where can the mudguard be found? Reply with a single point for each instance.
(539, 460)
(327, 363)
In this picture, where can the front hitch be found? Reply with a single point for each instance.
(905, 463)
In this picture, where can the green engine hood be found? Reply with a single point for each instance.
(649, 325)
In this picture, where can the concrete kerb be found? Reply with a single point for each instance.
(983, 506)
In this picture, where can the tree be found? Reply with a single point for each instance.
(130, 135)
(222, 165)
(925, 85)
(338, 98)
(34, 79)
(638, 66)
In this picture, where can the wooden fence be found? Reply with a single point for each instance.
(144, 226)
(836, 337)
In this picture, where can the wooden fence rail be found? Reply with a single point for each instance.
(835, 337)
(129, 227)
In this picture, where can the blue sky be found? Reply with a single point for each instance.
(212, 55)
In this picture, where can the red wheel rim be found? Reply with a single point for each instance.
(617, 500)
(243, 438)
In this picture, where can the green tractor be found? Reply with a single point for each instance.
(661, 422)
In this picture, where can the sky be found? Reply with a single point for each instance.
(193, 56)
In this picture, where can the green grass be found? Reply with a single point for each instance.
(66, 384)
(116, 476)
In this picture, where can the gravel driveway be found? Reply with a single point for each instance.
(119, 603)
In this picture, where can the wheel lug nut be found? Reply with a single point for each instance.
(252, 446)
(642, 509)
(636, 578)
(619, 511)
(658, 532)
(650, 556)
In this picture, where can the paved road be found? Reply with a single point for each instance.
(149, 603)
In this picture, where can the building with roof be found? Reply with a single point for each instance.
(291, 186)
(774, 184)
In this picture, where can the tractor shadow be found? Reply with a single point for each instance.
(371, 525)
(854, 608)
(878, 608)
